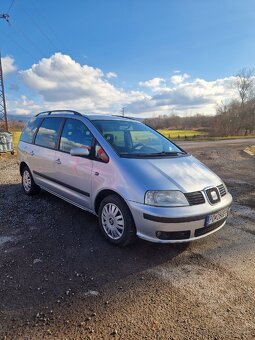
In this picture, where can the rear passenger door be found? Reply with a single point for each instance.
(43, 151)
(26, 147)
(73, 172)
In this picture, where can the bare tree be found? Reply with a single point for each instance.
(245, 84)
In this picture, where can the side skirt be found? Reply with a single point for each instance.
(67, 200)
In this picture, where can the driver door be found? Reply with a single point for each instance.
(73, 172)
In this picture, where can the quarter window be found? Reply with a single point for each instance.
(47, 134)
(29, 130)
(75, 135)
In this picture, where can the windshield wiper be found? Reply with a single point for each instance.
(163, 153)
(168, 153)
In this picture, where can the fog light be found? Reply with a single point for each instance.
(158, 233)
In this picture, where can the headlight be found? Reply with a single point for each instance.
(165, 198)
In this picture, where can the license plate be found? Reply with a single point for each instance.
(219, 215)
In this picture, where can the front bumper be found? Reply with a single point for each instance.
(176, 224)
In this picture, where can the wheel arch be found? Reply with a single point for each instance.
(102, 194)
(22, 166)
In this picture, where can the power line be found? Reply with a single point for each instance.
(10, 7)
(20, 46)
(30, 41)
(39, 28)
(49, 24)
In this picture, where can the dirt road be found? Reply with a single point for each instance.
(60, 279)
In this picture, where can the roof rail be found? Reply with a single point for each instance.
(55, 111)
(133, 118)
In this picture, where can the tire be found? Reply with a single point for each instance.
(116, 221)
(28, 184)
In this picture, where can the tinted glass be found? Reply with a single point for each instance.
(130, 138)
(29, 130)
(75, 135)
(48, 132)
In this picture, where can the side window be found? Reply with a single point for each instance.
(48, 132)
(75, 135)
(100, 154)
(29, 130)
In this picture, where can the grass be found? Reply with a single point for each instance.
(250, 150)
(16, 136)
(182, 133)
(172, 134)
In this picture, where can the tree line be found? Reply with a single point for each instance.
(237, 117)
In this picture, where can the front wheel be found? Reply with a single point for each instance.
(28, 184)
(116, 221)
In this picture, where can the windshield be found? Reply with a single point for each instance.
(134, 139)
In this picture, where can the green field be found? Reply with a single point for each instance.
(168, 133)
(181, 133)
(172, 134)
(16, 136)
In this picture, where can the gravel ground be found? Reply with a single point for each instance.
(60, 279)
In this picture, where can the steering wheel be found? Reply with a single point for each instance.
(143, 148)
(138, 145)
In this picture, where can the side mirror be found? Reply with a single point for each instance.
(80, 152)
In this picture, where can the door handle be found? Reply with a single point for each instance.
(58, 161)
(31, 153)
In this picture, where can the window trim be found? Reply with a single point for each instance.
(35, 133)
(60, 135)
(43, 146)
(117, 153)
(92, 155)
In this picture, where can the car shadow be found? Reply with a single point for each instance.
(56, 247)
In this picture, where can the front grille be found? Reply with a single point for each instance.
(206, 230)
(222, 190)
(213, 195)
(173, 235)
(195, 197)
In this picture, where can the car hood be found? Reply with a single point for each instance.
(183, 173)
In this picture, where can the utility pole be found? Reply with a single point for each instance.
(123, 111)
(3, 111)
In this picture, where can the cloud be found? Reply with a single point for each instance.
(179, 78)
(153, 84)
(8, 65)
(199, 96)
(59, 82)
(23, 106)
(14, 87)
(110, 75)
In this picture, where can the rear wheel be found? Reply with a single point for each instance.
(116, 221)
(28, 184)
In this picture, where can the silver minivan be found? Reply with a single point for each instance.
(134, 179)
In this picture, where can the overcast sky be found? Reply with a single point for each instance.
(150, 56)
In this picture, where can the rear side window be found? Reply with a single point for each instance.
(47, 134)
(29, 130)
(75, 135)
